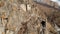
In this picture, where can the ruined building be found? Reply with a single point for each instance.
(29, 17)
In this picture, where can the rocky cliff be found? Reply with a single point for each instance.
(27, 17)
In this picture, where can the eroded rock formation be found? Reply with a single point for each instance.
(26, 16)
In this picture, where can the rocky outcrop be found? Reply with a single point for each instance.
(26, 17)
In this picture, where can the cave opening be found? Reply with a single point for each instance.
(43, 23)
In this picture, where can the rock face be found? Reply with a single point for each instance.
(27, 17)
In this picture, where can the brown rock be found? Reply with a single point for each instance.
(1, 4)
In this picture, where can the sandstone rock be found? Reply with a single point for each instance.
(9, 32)
(1, 4)
(28, 7)
(2, 29)
(25, 17)
(23, 7)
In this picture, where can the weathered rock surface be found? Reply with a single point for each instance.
(25, 17)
